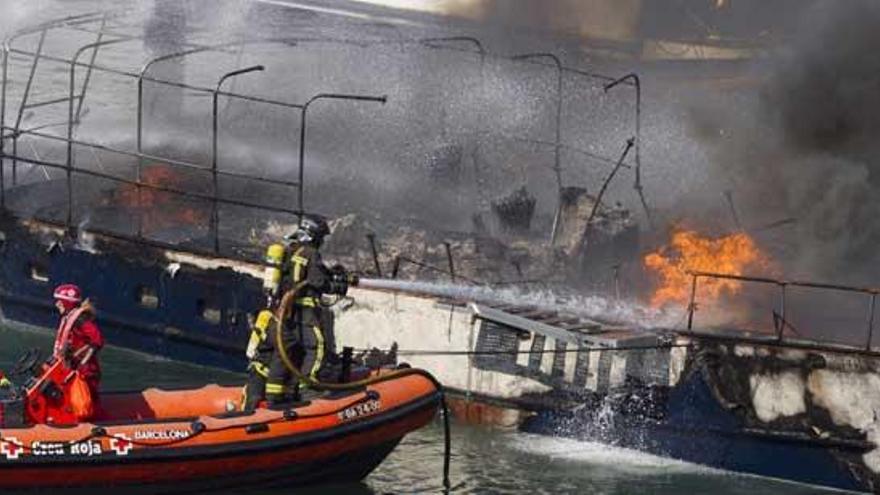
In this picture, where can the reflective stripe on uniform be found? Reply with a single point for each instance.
(299, 263)
(274, 388)
(244, 397)
(319, 352)
(253, 343)
(260, 368)
(309, 302)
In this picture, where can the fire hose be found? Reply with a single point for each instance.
(285, 310)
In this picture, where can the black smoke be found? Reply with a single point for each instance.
(807, 144)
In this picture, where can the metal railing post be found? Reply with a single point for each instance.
(449, 260)
(781, 330)
(302, 133)
(396, 268)
(616, 269)
(556, 160)
(588, 227)
(85, 86)
(139, 131)
(692, 306)
(21, 108)
(372, 240)
(140, 86)
(70, 119)
(871, 321)
(478, 182)
(215, 214)
(638, 182)
(3, 125)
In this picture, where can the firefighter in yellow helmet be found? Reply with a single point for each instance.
(303, 335)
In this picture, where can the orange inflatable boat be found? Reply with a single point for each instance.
(174, 441)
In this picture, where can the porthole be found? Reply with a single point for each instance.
(147, 297)
(211, 314)
(38, 273)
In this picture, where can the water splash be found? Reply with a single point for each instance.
(603, 309)
(617, 458)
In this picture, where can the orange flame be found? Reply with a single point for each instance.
(160, 209)
(155, 175)
(688, 251)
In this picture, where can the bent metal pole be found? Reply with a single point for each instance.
(70, 116)
(557, 166)
(302, 132)
(638, 144)
(215, 215)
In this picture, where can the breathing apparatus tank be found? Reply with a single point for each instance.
(272, 273)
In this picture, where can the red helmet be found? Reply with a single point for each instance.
(69, 294)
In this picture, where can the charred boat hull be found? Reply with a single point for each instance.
(690, 425)
(148, 301)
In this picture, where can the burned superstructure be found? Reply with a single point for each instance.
(503, 249)
(459, 201)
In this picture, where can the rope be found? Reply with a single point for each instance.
(541, 351)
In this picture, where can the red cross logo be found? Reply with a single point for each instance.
(121, 444)
(11, 448)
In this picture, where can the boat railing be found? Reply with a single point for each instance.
(105, 33)
(782, 309)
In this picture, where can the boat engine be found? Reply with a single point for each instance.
(47, 395)
(42, 397)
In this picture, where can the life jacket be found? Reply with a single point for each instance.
(68, 321)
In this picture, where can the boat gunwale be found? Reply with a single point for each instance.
(160, 454)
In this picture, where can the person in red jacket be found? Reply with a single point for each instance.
(78, 339)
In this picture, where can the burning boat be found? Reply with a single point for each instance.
(177, 243)
(153, 246)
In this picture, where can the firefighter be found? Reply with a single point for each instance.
(260, 345)
(303, 335)
(259, 354)
(78, 339)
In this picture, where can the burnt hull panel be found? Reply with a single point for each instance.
(145, 301)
